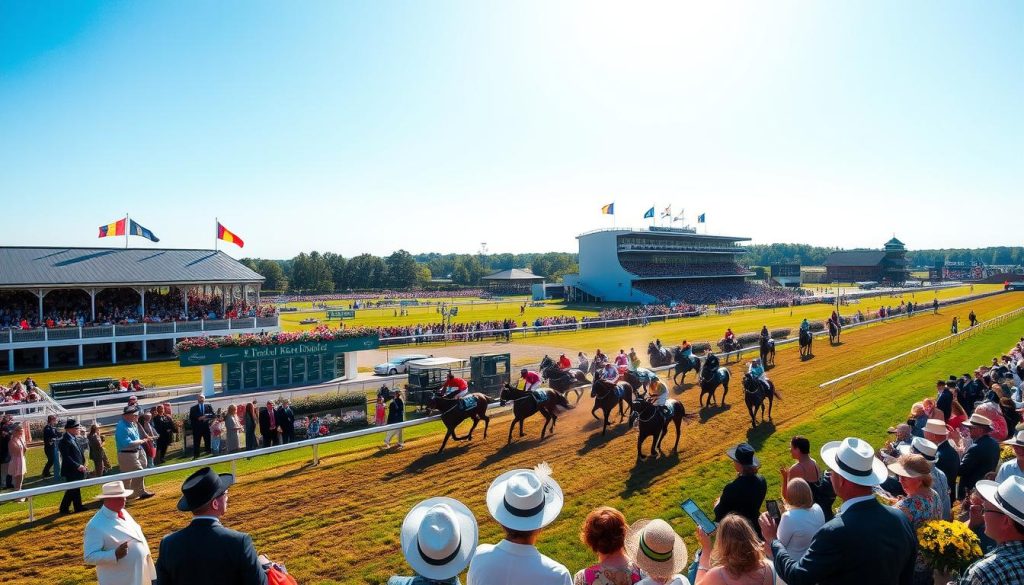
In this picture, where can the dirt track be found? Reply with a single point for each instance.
(339, 522)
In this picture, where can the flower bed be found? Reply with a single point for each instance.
(256, 340)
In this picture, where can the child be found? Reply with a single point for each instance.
(378, 418)
(216, 431)
(313, 429)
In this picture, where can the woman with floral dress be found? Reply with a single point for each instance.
(920, 505)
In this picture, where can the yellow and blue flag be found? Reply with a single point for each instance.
(608, 209)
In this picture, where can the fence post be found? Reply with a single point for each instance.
(234, 467)
(316, 455)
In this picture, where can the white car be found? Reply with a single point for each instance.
(396, 365)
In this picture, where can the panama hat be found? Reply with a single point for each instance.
(854, 460)
(439, 537)
(936, 426)
(113, 489)
(202, 487)
(744, 455)
(922, 447)
(1007, 496)
(525, 499)
(1016, 440)
(656, 548)
(979, 420)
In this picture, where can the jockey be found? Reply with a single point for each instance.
(634, 360)
(531, 380)
(765, 335)
(729, 335)
(610, 372)
(599, 357)
(710, 366)
(686, 349)
(756, 370)
(564, 363)
(835, 319)
(805, 325)
(584, 363)
(657, 392)
(454, 387)
(622, 359)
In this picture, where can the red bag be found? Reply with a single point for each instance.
(275, 576)
(150, 449)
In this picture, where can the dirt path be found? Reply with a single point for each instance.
(339, 522)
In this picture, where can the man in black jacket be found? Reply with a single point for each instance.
(865, 543)
(944, 399)
(745, 494)
(948, 460)
(205, 552)
(165, 429)
(50, 436)
(981, 458)
(199, 417)
(270, 427)
(286, 419)
(72, 466)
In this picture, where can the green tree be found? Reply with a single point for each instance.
(401, 269)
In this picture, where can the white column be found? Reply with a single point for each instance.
(145, 355)
(10, 360)
(81, 355)
(142, 302)
(207, 373)
(185, 294)
(41, 295)
(223, 300)
(92, 302)
(258, 286)
(113, 352)
(351, 365)
(46, 358)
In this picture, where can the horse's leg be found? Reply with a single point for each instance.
(445, 441)
(725, 391)
(607, 413)
(521, 421)
(487, 422)
(679, 422)
(771, 400)
(510, 427)
(547, 419)
(593, 411)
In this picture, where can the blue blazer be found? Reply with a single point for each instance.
(979, 459)
(207, 553)
(869, 543)
(71, 457)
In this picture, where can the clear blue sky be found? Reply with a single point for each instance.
(435, 126)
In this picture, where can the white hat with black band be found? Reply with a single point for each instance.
(1007, 496)
(922, 447)
(525, 499)
(439, 537)
(854, 460)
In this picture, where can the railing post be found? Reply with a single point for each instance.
(31, 510)
(234, 467)
(316, 455)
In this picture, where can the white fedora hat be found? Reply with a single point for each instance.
(979, 420)
(854, 459)
(656, 548)
(113, 489)
(1016, 440)
(439, 537)
(525, 499)
(936, 426)
(922, 447)
(1007, 496)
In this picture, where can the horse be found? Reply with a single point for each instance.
(754, 393)
(659, 356)
(709, 385)
(562, 381)
(684, 364)
(453, 413)
(834, 329)
(806, 341)
(728, 347)
(607, 394)
(634, 379)
(767, 351)
(654, 423)
(525, 405)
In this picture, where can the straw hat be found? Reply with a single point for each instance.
(113, 489)
(922, 447)
(1007, 496)
(525, 499)
(936, 426)
(656, 548)
(979, 420)
(902, 470)
(439, 537)
(854, 460)
(1016, 440)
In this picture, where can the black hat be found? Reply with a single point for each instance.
(71, 424)
(952, 378)
(202, 487)
(131, 410)
(744, 455)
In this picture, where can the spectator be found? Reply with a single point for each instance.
(216, 433)
(920, 505)
(1004, 522)
(313, 427)
(396, 414)
(269, 427)
(972, 513)
(16, 456)
(165, 428)
(917, 419)
(1015, 466)
(97, 452)
(50, 436)
(286, 420)
(801, 520)
(439, 537)
(199, 417)
(805, 468)
(658, 551)
(206, 552)
(129, 450)
(738, 555)
(231, 428)
(380, 412)
(114, 541)
(72, 466)
(947, 458)
(5, 445)
(745, 494)
(147, 431)
(864, 539)
(937, 479)
(251, 421)
(604, 532)
(981, 458)
(944, 402)
(522, 501)
(992, 411)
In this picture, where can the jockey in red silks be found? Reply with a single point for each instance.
(531, 380)
(454, 387)
(564, 363)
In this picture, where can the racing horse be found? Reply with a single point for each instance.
(659, 356)
(562, 381)
(683, 365)
(607, 394)
(728, 347)
(709, 385)
(806, 341)
(834, 329)
(654, 423)
(455, 410)
(754, 393)
(767, 351)
(527, 403)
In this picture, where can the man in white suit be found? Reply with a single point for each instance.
(114, 542)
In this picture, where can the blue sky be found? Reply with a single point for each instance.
(435, 126)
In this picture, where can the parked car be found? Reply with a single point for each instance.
(396, 365)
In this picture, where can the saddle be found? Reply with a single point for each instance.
(540, 396)
(467, 403)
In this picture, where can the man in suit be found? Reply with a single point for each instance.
(205, 552)
(865, 543)
(269, 427)
(981, 458)
(948, 460)
(745, 494)
(286, 419)
(115, 543)
(50, 436)
(72, 466)
(944, 400)
(199, 417)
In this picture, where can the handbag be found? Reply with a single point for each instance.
(150, 450)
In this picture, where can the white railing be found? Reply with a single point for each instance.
(12, 336)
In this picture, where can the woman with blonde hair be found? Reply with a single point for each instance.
(801, 520)
(737, 557)
(604, 532)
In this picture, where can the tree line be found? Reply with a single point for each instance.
(807, 255)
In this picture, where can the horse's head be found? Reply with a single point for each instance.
(651, 348)
(546, 362)
(506, 394)
(598, 383)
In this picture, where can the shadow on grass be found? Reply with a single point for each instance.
(46, 521)
(804, 358)
(597, 440)
(708, 412)
(518, 445)
(757, 436)
(432, 458)
(646, 471)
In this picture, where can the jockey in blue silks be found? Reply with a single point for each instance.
(756, 370)
(805, 325)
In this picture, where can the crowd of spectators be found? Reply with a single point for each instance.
(714, 292)
(380, 297)
(673, 269)
(17, 392)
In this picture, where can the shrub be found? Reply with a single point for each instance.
(780, 333)
(748, 338)
(701, 346)
(817, 326)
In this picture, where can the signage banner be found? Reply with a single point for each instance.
(226, 355)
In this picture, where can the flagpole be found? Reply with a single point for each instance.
(216, 228)
(126, 223)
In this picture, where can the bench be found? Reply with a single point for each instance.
(80, 388)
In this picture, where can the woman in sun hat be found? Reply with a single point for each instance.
(921, 503)
(657, 551)
(439, 537)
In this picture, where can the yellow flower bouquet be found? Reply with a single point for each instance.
(949, 547)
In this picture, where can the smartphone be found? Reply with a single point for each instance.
(698, 516)
(773, 510)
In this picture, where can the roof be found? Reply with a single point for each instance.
(664, 232)
(894, 242)
(435, 362)
(46, 267)
(512, 274)
(855, 258)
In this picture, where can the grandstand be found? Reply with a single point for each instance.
(75, 307)
(660, 264)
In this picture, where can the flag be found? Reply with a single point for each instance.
(608, 209)
(112, 229)
(700, 218)
(649, 213)
(224, 234)
(135, 229)
(667, 212)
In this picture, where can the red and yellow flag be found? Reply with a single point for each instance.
(224, 234)
(112, 229)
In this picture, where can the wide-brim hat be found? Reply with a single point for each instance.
(113, 489)
(71, 424)
(202, 487)
(1016, 440)
(936, 426)
(656, 548)
(1008, 496)
(743, 454)
(854, 460)
(901, 470)
(979, 420)
(525, 499)
(439, 537)
(920, 446)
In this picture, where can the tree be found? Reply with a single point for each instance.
(273, 273)
(401, 270)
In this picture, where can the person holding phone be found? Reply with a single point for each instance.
(737, 554)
